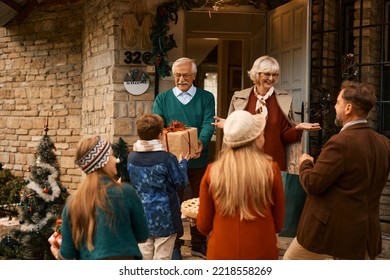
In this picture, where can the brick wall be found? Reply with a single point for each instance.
(98, 60)
(108, 109)
(126, 107)
(41, 81)
(64, 65)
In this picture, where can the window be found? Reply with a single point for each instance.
(339, 28)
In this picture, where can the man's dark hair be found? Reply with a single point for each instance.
(361, 95)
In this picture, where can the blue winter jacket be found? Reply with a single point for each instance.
(157, 176)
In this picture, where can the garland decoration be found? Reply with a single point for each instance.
(52, 174)
(349, 69)
(162, 42)
(215, 4)
(324, 114)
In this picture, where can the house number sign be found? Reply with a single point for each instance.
(137, 57)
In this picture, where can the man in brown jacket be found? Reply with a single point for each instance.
(340, 219)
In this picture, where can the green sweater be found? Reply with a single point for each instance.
(116, 236)
(199, 113)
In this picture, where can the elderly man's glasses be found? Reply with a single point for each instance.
(185, 76)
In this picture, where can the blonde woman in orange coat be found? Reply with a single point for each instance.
(241, 195)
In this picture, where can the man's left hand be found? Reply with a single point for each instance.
(200, 148)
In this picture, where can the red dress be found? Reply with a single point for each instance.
(278, 131)
(230, 238)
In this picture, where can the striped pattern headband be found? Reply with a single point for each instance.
(96, 157)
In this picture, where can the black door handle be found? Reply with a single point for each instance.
(301, 113)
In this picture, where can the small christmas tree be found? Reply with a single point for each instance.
(121, 152)
(10, 187)
(42, 201)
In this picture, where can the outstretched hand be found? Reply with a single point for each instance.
(186, 157)
(219, 122)
(308, 126)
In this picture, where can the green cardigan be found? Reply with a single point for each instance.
(199, 113)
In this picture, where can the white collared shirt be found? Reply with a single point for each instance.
(184, 97)
(352, 123)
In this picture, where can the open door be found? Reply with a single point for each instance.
(237, 45)
(287, 40)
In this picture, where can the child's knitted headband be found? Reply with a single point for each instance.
(96, 157)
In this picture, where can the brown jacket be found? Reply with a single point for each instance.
(341, 212)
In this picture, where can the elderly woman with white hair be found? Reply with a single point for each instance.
(275, 105)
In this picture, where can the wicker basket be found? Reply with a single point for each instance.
(190, 207)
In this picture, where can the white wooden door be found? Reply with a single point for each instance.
(287, 41)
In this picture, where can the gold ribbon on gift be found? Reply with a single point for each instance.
(175, 126)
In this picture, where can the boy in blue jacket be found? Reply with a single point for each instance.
(157, 175)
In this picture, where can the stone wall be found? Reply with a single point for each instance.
(40, 81)
(127, 107)
(108, 109)
(98, 61)
(64, 66)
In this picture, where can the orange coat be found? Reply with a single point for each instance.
(230, 238)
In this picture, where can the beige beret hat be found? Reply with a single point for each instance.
(241, 128)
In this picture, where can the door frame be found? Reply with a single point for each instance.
(252, 46)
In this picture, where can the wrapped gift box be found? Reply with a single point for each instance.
(55, 239)
(182, 142)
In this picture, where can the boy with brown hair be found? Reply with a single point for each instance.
(157, 175)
